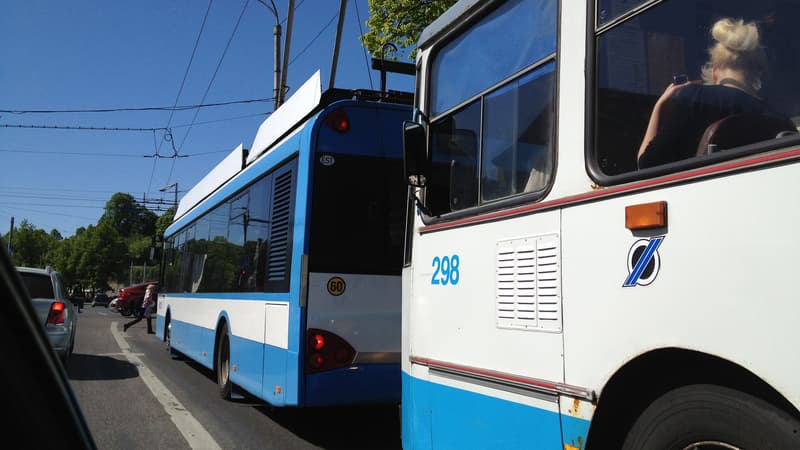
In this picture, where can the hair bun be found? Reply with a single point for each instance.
(736, 35)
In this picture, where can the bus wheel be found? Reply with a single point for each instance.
(224, 365)
(168, 339)
(704, 416)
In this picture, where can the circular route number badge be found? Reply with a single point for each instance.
(336, 286)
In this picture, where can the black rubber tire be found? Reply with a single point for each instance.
(707, 415)
(174, 354)
(223, 363)
(126, 312)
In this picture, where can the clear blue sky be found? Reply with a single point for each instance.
(94, 54)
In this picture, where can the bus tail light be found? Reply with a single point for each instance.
(338, 121)
(57, 313)
(326, 351)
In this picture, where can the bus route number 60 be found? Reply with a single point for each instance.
(445, 270)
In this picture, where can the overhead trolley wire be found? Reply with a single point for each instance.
(75, 127)
(136, 109)
(180, 90)
(208, 88)
(335, 15)
(366, 58)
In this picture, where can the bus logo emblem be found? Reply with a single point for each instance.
(644, 262)
(327, 160)
(336, 286)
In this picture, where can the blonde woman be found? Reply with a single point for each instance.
(732, 81)
(146, 311)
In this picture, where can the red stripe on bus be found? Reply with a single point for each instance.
(490, 375)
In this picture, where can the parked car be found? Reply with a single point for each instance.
(101, 299)
(113, 303)
(130, 298)
(56, 313)
(39, 406)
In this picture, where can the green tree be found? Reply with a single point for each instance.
(127, 216)
(400, 22)
(102, 255)
(163, 222)
(31, 245)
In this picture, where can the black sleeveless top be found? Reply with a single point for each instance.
(686, 115)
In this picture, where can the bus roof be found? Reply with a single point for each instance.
(443, 22)
(289, 117)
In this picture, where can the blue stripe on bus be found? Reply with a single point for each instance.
(366, 383)
(247, 355)
(443, 417)
(574, 431)
(193, 341)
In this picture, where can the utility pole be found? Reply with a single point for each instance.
(11, 237)
(276, 38)
(286, 46)
(335, 61)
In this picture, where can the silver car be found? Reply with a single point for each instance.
(56, 313)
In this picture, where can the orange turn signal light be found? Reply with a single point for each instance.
(646, 216)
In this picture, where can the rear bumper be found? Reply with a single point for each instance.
(60, 339)
(356, 384)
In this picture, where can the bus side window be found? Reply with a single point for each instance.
(463, 189)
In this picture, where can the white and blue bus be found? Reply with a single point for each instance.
(282, 267)
(560, 291)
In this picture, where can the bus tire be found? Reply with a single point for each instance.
(174, 354)
(224, 365)
(709, 416)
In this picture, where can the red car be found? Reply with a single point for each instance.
(131, 297)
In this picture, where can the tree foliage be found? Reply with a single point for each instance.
(163, 222)
(400, 22)
(96, 254)
(31, 245)
(129, 218)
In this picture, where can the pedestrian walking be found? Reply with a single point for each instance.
(146, 310)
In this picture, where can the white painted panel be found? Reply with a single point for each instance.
(300, 104)
(277, 325)
(247, 318)
(727, 283)
(367, 314)
(458, 323)
(222, 172)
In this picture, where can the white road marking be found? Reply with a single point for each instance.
(194, 433)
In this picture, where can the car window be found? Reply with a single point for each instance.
(38, 285)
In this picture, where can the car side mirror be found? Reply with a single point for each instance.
(415, 154)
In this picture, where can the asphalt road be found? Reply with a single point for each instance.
(135, 396)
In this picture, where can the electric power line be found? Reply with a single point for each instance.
(137, 109)
(208, 88)
(335, 15)
(180, 90)
(105, 155)
(93, 128)
(75, 127)
(50, 152)
(366, 59)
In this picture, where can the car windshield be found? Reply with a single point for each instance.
(39, 285)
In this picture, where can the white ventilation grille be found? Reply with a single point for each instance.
(529, 283)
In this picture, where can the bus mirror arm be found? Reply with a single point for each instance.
(415, 154)
(420, 204)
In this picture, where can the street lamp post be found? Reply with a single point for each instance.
(166, 188)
